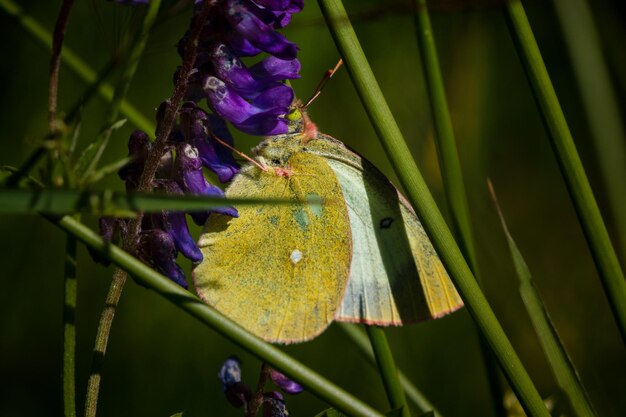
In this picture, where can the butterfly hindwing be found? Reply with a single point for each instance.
(390, 248)
(279, 270)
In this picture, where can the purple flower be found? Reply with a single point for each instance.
(253, 99)
(256, 25)
(191, 179)
(230, 372)
(157, 248)
(237, 392)
(287, 385)
(274, 405)
(264, 113)
(199, 129)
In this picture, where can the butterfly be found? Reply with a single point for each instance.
(285, 272)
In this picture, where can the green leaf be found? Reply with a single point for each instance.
(430, 413)
(108, 169)
(113, 203)
(560, 362)
(89, 158)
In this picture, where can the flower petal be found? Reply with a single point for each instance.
(190, 177)
(138, 147)
(230, 372)
(174, 223)
(263, 125)
(274, 100)
(244, 17)
(275, 69)
(287, 385)
(158, 249)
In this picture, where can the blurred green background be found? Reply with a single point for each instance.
(161, 361)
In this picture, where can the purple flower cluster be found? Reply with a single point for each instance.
(239, 394)
(254, 99)
(190, 147)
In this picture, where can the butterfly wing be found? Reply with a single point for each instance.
(279, 270)
(390, 248)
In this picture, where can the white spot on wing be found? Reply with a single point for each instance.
(296, 256)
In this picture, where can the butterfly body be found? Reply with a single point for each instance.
(285, 272)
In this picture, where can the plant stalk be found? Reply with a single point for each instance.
(570, 164)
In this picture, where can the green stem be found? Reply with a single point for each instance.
(419, 195)
(102, 337)
(360, 340)
(55, 64)
(599, 101)
(452, 174)
(571, 166)
(69, 329)
(147, 277)
(388, 370)
(74, 63)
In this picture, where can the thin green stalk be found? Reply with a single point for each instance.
(572, 169)
(102, 338)
(557, 356)
(119, 277)
(27, 166)
(147, 277)
(69, 329)
(55, 64)
(598, 98)
(452, 173)
(420, 401)
(387, 369)
(74, 63)
(418, 193)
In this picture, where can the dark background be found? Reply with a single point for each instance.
(161, 361)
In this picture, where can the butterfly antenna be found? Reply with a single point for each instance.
(238, 152)
(329, 74)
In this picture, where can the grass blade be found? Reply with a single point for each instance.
(360, 340)
(69, 328)
(599, 101)
(562, 367)
(108, 203)
(571, 166)
(452, 174)
(387, 369)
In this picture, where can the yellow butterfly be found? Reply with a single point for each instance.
(285, 272)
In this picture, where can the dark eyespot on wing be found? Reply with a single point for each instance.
(386, 223)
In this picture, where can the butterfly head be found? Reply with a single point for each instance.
(274, 151)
